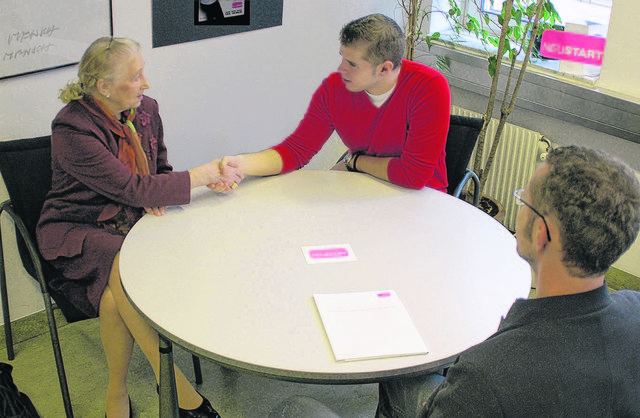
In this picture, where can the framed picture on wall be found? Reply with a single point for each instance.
(39, 35)
(175, 22)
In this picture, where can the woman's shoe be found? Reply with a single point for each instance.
(205, 410)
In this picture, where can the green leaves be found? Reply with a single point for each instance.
(430, 38)
(519, 24)
(443, 64)
(516, 22)
(454, 9)
(493, 61)
(473, 26)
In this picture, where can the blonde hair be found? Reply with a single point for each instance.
(101, 61)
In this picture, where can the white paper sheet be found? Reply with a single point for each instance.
(363, 325)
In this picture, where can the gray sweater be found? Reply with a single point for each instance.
(564, 356)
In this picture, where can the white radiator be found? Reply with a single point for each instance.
(515, 161)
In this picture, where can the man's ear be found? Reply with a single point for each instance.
(541, 234)
(386, 67)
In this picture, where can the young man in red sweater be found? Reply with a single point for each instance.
(392, 114)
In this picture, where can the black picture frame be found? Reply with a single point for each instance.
(175, 22)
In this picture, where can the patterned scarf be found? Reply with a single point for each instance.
(116, 216)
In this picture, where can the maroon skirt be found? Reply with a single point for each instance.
(78, 287)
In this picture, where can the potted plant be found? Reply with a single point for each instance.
(415, 18)
(508, 36)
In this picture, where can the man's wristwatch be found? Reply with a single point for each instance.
(348, 159)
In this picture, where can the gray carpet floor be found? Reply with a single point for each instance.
(233, 394)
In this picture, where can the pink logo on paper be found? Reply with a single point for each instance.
(574, 47)
(237, 4)
(338, 252)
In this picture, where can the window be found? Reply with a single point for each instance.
(581, 16)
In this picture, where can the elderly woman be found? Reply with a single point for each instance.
(110, 166)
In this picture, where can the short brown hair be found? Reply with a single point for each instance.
(596, 199)
(385, 39)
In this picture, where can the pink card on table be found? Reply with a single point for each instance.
(328, 253)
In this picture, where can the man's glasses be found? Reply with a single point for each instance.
(519, 201)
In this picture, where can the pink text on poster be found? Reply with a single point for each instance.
(574, 47)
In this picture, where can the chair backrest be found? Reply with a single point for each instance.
(25, 165)
(461, 139)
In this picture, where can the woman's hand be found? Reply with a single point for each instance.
(231, 175)
(157, 211)
(218, 175)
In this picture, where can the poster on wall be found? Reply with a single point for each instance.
(222, 12)
(38, 35)
(176, 22)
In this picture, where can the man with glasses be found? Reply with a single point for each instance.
(574, 350)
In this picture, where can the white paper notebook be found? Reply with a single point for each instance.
(363, 325)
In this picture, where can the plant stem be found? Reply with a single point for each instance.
(483, 172)
(511, 95)
(412, 27)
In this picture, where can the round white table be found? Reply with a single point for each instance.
(226, 278)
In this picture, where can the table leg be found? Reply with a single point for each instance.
(168, 393)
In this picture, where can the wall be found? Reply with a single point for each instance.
(621, 54)
(217, 96)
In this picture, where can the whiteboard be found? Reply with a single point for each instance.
(37, 35)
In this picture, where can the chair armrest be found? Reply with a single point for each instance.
(469, 175)
(5, 207)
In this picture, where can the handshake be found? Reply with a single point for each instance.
(221, 175)
(224, 174)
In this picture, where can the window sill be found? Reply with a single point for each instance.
(547, 92)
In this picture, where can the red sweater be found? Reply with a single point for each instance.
(410, 126)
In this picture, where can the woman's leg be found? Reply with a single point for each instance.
(118, 345)
(147, 339)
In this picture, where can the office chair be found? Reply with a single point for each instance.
(25, 166)
(461, 139)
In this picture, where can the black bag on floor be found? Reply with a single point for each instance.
(13, 403)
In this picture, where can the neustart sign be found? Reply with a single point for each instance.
(574, 47)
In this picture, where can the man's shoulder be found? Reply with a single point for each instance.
(418, 68)
(418, 76)
(627, 304)
(632, 296)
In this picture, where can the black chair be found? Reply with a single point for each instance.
(461, 139)
(25, 166)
